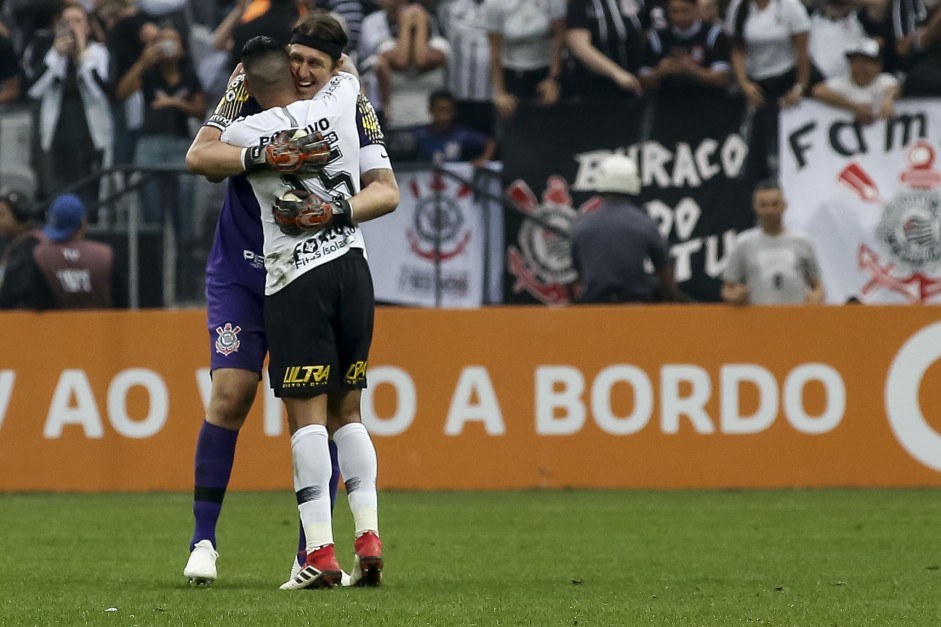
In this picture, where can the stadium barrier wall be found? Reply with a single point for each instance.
(511, 397)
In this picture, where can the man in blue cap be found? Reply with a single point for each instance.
(69, 271)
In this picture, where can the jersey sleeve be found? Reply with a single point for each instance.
(367, 124)
(230, 105)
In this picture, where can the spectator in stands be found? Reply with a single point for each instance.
(864, 90)
(468, 72)
(443, 140)
(688, 57)
(402, 57)
(834, 29)
(75, 124)
(172, 95)
(76, 273)
(16, 226)
(709, 12)
(923, 63)
(612, 244)
(607, 41)
(9, 71)
(70, 272)
(526, 40)
(772, 66)
(349, 13)
(249, 18)
(769, 264)
(129, 32)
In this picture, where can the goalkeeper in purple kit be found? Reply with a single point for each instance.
(235, 290)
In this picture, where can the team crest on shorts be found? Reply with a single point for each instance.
(228, 340)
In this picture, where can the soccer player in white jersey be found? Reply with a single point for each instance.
(319, 299)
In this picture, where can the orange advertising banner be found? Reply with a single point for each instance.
(607, 397)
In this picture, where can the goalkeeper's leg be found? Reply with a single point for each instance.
(233, 391)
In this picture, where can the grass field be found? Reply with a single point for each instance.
(576, 558)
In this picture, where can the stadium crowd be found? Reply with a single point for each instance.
(127, 82)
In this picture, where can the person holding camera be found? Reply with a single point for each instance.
(172, 95)
(75, 124)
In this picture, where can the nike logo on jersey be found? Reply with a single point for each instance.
(384, 156)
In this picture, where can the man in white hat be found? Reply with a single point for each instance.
(612, 243)
(866, 91)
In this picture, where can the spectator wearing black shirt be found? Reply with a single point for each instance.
(608, 44)
(16, 226)
(687, 57)
(246, 20)
(9, 71)
(172, 94)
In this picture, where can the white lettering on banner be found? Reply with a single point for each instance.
(601, 399)
(672, 405)
(731, 419)
(568, 398)
(73, 383)
(794, 398)
(559, 390)
(691, 166)
(406, 401)
(474, 380)
(902, 404)
(7, 378)
(158, 404)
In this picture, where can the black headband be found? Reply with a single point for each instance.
(318, 43)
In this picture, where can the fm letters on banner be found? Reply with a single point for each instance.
(691, 157)
(869, 197)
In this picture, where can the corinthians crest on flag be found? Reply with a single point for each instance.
(869, 197)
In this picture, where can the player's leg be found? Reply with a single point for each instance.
(359, 467)
(237, 348)
(302, 359)
(311, 456)
(357, 455)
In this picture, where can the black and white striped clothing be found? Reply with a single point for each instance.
(907, 16)
(616, 30)
(463, 24)
(352, 12)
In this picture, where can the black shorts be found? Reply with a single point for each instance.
(319, 329)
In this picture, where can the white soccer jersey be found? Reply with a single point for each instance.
(332, 112)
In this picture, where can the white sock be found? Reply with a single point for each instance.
(312, 484)
(358, 465)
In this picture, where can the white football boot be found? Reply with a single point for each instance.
(201, 566)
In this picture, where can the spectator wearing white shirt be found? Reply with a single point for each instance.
(834, 29)
(526, 39)
(771, 63)
(402, 58)
(865, 90)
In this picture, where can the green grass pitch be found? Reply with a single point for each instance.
(574, 558)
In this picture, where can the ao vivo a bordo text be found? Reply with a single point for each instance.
(621, 399)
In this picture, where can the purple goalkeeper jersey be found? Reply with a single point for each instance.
(236, 255)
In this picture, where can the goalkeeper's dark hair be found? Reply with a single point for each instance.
(321, 25)
(266, 64)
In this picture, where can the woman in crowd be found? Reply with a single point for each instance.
(75, 127)
(771, 63)
(526, 38)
